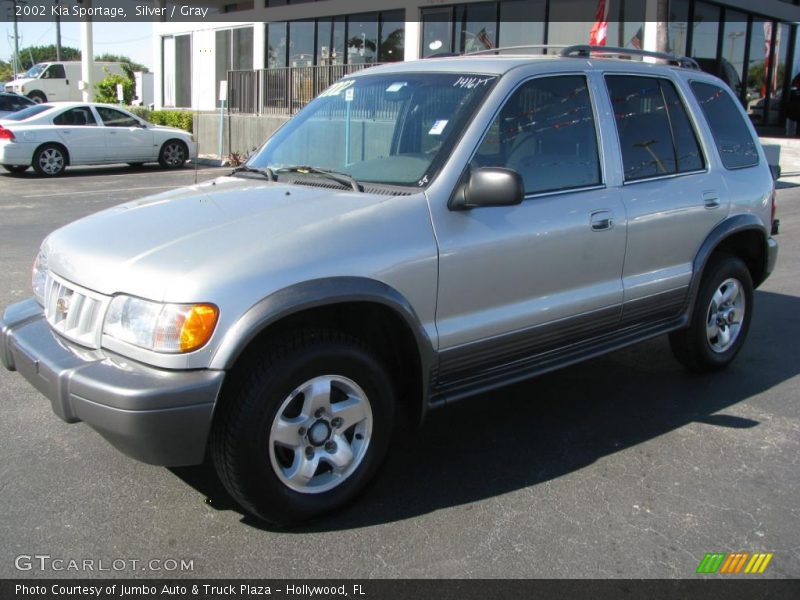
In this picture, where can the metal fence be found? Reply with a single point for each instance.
(284, 90)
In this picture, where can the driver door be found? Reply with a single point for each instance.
(126, 139)
(516, 281)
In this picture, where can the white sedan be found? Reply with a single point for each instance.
(48, 137)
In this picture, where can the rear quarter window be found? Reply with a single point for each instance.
(731, 134)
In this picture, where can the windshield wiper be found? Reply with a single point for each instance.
(265, 172)
(336, 176)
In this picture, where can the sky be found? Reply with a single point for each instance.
(129, 39)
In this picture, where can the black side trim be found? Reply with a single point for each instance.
(323, 292)
(552, 360)
(658, 306)
(478, 357)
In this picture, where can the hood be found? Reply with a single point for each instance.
(185, 245)
(172, 130)
(16, 83)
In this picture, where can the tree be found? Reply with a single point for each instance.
(6, 72)
(108, 57)
(38, 54)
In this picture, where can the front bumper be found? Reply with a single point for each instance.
(154, 415)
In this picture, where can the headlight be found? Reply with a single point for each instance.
(39, 277)
(160, 327)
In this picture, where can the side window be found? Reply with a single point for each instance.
(545, 132)
(731, 135)
(116, 118)
(5, 103)
(655, 135)
(81, 115)
(55, 72)
(19, 103)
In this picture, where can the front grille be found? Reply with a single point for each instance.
(75, 313)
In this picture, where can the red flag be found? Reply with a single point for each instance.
(767, 48)
(599, 31)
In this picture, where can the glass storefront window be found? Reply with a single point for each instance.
(222, 55)
(626, 24)
(731, 63)
(678, 26)
(362, 38)
(705, 30)
(779, 73)
(324, 30)
(571, 21)
(338, 45)
(760, 33)
(242, 49)
(437, 31)
(392, 45)
(183, 70)
(476, 26)
(522, 22)
(276, 45)
(301, 43)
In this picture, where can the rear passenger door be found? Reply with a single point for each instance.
(77, 129)
(519, 280)
(672, 198)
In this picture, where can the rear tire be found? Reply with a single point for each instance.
(720, 319)
(50, 160)
(16, 168)
(304, 427)
(173, 154)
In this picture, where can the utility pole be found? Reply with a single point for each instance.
(58, 32)
(16, 41)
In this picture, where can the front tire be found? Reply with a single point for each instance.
(304, 427)
(173, 154)
(721, 317)
(50, 160)
(38, 97)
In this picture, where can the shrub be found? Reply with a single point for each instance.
(182, 119)
(140, 111)
(107, 88)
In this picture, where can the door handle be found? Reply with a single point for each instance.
(711, 199)
(602, 220)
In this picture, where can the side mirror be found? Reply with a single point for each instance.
(489, 186)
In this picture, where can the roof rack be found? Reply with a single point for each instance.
(500, 49)
(586, 51)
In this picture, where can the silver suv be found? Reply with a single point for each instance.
(419, 233)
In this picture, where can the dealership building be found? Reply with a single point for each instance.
(304, 42)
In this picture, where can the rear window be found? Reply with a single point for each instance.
(12, 102)
(29, 112)
(731, 134)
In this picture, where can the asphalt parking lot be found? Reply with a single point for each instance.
(625, 466)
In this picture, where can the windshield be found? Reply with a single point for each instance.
(35, 71)
(27, 113)
(390, 129)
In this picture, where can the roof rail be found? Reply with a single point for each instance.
(500, 49)
(586, 51)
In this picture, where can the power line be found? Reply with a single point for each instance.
(147, 37)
